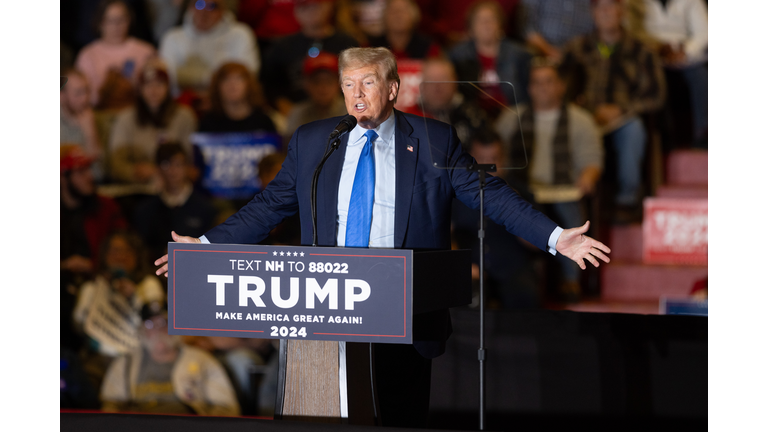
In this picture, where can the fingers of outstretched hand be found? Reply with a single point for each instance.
(596, 252)
(591, 259)
(581, 264)
(598, 245)
(162, 271)
(162, 260)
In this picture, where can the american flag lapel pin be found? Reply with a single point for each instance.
(409, 148)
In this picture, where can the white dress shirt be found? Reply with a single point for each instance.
(383, 219)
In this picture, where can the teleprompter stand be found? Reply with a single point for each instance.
(482, 170)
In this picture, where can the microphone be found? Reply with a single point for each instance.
(345, 125)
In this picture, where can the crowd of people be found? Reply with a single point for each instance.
(568, 92)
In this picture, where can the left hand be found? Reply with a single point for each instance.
(606, 113)
(163, 260)
(578, 247)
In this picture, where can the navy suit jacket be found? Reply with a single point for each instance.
(422, 206)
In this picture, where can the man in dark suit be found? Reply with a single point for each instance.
(382, 190)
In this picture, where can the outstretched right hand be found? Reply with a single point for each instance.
(164, 259)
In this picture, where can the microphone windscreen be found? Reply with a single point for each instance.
(350, 120)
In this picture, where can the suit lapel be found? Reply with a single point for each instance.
(405, 164)
(328, 194)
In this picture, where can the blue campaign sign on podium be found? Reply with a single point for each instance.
(290, 292)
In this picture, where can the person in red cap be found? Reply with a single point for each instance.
(322, 86)
(153, 119)
(86, 218)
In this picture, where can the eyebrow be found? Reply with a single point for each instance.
(371, 74)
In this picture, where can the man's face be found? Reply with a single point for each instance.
(174, 171)
(367, 95)
(607, 15)
(545, 87)
(435, 93)
(322, 87)
(206, 14)
(485, 26)
(74, 95)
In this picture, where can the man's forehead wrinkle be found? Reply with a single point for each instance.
(369, 74)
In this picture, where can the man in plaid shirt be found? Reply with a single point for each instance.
(617, 78)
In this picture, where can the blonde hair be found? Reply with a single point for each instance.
(355, 58)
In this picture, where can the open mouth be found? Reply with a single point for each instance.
(360, 107)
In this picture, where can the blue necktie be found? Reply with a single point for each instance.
(360, 211)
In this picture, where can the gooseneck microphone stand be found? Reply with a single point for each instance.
(313, 197)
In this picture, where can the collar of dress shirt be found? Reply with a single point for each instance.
(385, 131)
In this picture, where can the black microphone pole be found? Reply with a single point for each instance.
(345, 125)
(482, 170)
(313, 196)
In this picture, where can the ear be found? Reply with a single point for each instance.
(394, 89)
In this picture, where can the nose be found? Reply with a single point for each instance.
(357, 90)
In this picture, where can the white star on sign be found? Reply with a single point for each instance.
(274, 253)
(302, 254)
(295, 254)
(281, 253)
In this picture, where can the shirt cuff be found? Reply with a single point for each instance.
(204, 240)
(553, 238)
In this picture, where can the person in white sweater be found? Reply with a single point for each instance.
(209, 37)
(678, 31)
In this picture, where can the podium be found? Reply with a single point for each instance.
(341, 304)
